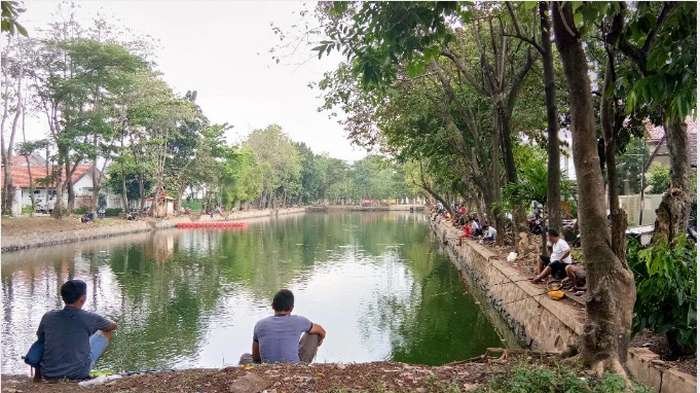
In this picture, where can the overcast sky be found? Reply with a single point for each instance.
(220, 49)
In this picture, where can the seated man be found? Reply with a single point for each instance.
(73, 338)
(276, 338)
(556, 263)
(577, 276)
(489, 233)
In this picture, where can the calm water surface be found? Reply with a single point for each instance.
(190, 298)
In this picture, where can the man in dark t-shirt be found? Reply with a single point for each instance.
(276, 338)
(73, 338)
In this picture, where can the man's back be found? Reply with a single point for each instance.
(66, 334)
(278, 337)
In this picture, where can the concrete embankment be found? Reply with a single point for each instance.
(540, 323)
(12, 242)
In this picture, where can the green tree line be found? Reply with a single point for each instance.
(104, 102)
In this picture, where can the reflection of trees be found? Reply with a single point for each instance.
(163, 288)
(437, 323)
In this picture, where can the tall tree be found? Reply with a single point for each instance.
(611, 284)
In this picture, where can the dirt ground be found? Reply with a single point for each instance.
(18, 226)
(286, 378)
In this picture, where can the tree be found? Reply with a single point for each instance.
(26, 149)
(661, 40)
(611, 284)
(544, 47)
(15, 65)
(279, 163)
(101, 75)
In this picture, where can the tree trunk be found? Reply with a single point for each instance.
(611, 296)
(31, 185)
(553, 170)
(8, 194)
(142, 193)
(125, 197)
(672, 214)
(610, 126)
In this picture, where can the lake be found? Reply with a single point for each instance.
(190, 298)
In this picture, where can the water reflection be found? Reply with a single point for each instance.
(191, 298)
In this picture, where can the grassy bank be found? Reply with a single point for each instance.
(525, 373)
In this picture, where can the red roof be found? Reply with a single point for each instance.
(20, 177)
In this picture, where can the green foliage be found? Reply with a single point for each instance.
(659, 178)
(27, 209)
(113, 212)
(665, 276)
(80, 210)
(532, 179)
(10, 13)
(665, 77)
(528, 378)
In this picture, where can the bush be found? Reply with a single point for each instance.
(80, 210)
(659, 178)
(665, 276)
(113, 212)
(528, 378)
(27, 209)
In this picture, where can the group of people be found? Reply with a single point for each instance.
(558, 264)
(469, 223)
(71, 340)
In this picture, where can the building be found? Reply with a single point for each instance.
(44, 194)
(655, 138)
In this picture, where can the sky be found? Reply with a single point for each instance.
(221, 49)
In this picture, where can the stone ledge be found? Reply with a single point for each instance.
(541, 323)
(647, 367)
(537, 321)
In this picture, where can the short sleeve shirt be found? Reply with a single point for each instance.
(66, 334)
(278, 337)
(559, 249)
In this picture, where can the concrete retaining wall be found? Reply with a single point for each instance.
(543, 324)
(41, 239)
(538, 322)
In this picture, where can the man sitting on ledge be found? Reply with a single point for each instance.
(276, 338)
(73, 338)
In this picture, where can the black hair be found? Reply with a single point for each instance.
(72, 290)
(283, 300)
(553, 232)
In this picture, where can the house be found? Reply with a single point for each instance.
(44, 194)
(655, 138)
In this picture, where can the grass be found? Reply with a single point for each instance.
(528, 378)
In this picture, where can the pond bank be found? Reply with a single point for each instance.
(540, 323)
(73, 232)
(373, 377)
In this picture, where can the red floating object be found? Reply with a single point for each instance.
(211, 224)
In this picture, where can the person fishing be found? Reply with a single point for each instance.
(73, 339)
(556, 263)
(276, 338)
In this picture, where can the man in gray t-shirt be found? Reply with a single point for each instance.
(276, 338)
(73, 338)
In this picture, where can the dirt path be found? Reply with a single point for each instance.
(285, 378)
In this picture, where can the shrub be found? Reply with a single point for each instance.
(80, 210)
(27, 209)
(528, 378)
(659, 178)
(113, 212)
(665, 276)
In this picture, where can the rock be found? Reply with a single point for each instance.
(249, 383)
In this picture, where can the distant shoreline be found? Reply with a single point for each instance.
(49, 237)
